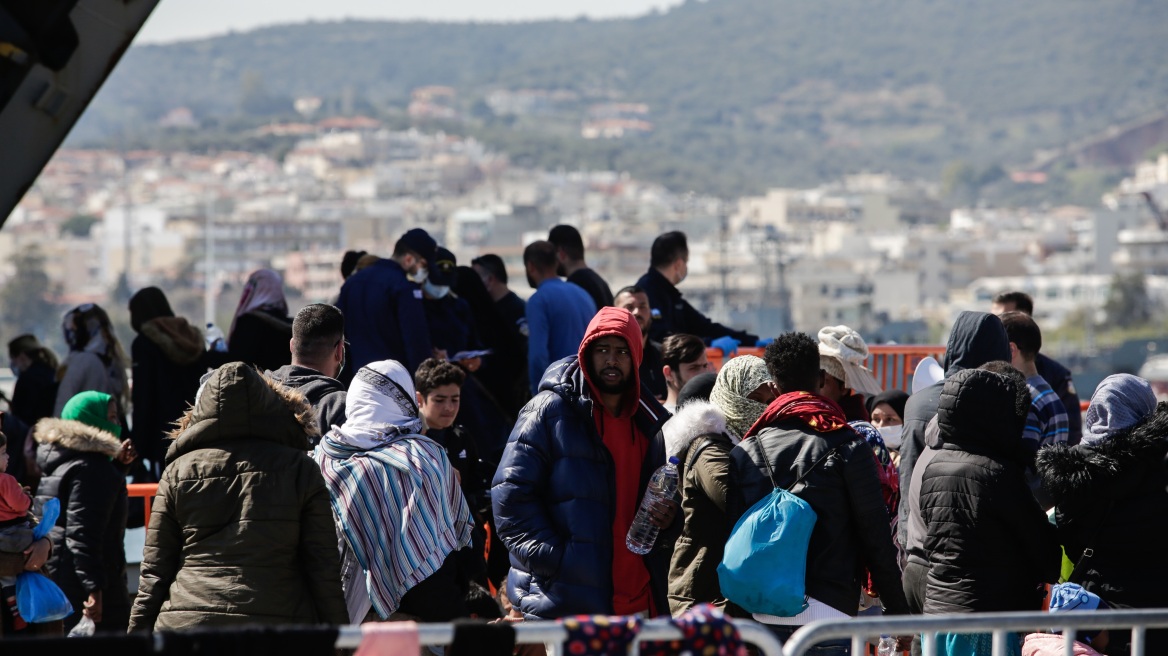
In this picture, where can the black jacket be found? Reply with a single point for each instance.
(88, 552)
(261, 339)
(1059, 379)
(851, 530)
(988, 543)
(1112, 497)
(672, 314)
(169, 359)
(652, 376)
(591, 282)
(976, 338)
(34, 394)
(325, 395)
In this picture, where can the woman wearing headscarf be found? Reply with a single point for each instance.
(261, 328)
(701, 435)
(397, 504)
(843, 355)
(886, 410)
(96, 361)
(241, 531)
(1111, 497)
(168, 356)
(83, 460)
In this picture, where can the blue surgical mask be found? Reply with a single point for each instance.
(421, 276)
(15, 371)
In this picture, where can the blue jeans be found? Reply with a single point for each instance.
(841, 647)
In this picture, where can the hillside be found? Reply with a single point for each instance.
(743, 94)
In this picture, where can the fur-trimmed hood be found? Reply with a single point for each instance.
(692, 420)
(1082, 470)
(237, 402)
(179, 341)
(63, 439)
(76, 436)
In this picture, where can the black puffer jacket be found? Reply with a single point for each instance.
(168, 363)
(851, 530)
(989, 545)
(1112, 497)
(976, 338)
(88, 551)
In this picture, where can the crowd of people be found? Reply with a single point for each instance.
(431, 440)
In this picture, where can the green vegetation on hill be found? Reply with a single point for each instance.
(744, 94)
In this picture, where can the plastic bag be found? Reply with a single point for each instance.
(39, 599)
(84, 628)
(50, 511)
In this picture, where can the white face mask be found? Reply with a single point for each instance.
(437, 291)
(420, 277)
(891, 436)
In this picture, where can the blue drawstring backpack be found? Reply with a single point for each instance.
(764, 566)
(37, 598)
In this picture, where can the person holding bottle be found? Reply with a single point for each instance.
(567, 534)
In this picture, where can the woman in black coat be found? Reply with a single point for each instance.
(1111, 496)
(83, 462)
(261, 328)
(169, 359)
(989, 544)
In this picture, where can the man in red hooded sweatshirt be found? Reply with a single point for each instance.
(571, 479)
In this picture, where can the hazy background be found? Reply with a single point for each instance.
(188, 19)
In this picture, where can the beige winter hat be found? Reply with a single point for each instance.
(842, 354)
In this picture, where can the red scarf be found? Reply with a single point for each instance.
(819, 414)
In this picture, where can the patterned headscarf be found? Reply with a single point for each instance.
(737, 379)
(1119, 404)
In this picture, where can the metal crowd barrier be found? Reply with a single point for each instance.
(553, 635)
(859, 630)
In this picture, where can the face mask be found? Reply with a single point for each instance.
(344, 360)
(420, 277)
(15, 371)
(891, 436)
(437, 291)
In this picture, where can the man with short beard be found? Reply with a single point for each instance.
(635, 300)
(572, 475)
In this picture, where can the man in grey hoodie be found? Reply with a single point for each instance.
(318, 356)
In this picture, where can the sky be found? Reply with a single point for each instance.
(174, 20)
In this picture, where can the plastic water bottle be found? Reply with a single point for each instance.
(215, 340)
(663, 485)
(887, 646)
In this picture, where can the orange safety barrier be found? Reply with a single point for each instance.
(893, 366)
(146, 491)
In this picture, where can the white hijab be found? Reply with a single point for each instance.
(379, 407)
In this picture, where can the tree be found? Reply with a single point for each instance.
(1128, 301)
(26, 297)
(79, 225)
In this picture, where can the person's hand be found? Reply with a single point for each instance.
(37, 554)
(471, 364)
(663, 513)
(904, 643)
(92, 607)
(514, 617)
(128, 453)
(728, 344)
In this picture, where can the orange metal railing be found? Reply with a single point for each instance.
(893, 366)
(146, 491)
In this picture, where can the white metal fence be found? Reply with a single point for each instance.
(553, 635)
(1000, 625)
